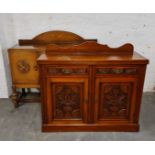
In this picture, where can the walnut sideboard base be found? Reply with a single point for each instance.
(91, 127)
(91, 87)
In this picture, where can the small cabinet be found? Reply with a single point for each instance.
(67, 100)
(115, 99)
(24, 68)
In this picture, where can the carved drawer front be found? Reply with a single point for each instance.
(68, 99)
(116, 70)
(67, 70)
(115, 98)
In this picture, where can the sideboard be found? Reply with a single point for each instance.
(91, 87)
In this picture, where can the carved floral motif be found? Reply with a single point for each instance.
(116, 71)
(115, 100)
(23, 66)
(67, 71)
(67, 101)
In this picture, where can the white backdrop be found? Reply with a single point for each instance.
(3, 82)
(111, 29)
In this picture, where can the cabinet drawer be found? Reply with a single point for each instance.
(67, 70)
(117, 70)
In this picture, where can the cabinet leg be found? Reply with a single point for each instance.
(23, 92)
(14, 97)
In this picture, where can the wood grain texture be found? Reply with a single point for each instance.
(89, 48)
(69, 105)
(23, 57)
(66, 99)
(85, 86)
(111, 80)
(61, 38)
(115, 98)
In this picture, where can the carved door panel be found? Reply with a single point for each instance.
(67, 100)
(115, 99)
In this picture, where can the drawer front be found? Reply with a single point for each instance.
(67, 70)
(116, 70)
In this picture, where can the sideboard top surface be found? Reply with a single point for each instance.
(105, 59)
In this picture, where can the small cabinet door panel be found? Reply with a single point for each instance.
(115, 99)
(24, 67)
(68, 99)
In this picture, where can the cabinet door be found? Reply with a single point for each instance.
(67, 100)
(24, 67)
(115, 99)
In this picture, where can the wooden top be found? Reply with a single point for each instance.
(92, 59)
(91, 53)
(27, 48)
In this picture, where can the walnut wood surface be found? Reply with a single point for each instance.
(61, 38)
(92, 59)
(110, 80)
(89, 48)
(85, 86)
(23, 57)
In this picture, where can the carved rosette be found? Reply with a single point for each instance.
(115, 100)
(67, 101)
(23, 66)
(116, 71)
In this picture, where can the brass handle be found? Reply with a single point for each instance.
(117, 71)
(66, 71)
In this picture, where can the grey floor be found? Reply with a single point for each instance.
(24, 123)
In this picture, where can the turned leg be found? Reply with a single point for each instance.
(14, 96)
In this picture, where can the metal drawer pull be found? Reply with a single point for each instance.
(117, 71)
(66, 71)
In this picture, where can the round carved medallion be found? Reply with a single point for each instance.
(23, 66)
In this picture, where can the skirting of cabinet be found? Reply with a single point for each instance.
(91, 127)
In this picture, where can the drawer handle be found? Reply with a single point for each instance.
(66, 71)
(117, 71)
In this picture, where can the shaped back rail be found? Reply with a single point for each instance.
(61, 38)
(89, 48)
